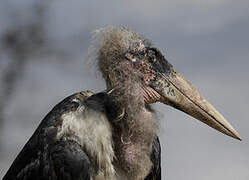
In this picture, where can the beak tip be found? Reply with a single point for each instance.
(239, 138)
(236, 135)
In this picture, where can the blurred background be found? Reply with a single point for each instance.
(43, 50)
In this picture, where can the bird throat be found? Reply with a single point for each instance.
(133, 131)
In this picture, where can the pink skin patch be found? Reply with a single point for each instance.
(148, 73)
(141, 46)
(130, 151)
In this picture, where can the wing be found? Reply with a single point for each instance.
(155, 173)
(65, 160)
(43, 154)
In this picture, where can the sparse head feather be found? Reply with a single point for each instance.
(109, 46)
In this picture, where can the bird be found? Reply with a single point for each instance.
(113, 134)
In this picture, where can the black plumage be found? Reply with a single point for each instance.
(44, 157)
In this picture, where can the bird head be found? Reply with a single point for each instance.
(126, 56)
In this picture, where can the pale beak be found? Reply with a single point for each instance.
(176, 91)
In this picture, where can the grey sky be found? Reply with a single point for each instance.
(205, 40)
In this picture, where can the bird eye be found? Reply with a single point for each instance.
(129, 56)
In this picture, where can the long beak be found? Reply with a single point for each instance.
(176, 91)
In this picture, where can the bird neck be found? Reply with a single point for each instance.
(130, 102)
(134, 130)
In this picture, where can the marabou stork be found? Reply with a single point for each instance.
(113, 134)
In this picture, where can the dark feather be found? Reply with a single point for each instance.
(40, 151)
(155, 173)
